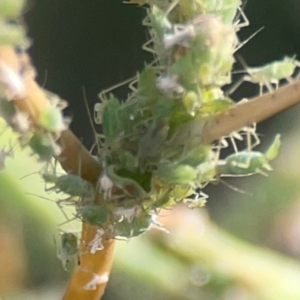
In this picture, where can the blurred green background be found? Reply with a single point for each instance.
(240, 247)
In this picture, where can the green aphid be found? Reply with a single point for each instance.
(248, 162)
(11, 9)
(162, 109)
(152, 142)
(11, 34)
(43, 146)
(159, 22)
(160, 194)
(216, 106)
(112, 120)
(69, 243)
(178, 117)
(272, 73)
(69, 248)
(243, 163)
(147, 89)
(129, 186)
(197, 202)
(227, 11)
(127, 229)
(206, 172)
(187, 10)
(17, 120)
(196, 156)
(180, 192)
(95, 215)
(127, 160)
(176, 173)
(70, 184)
(51, 119)
(191, 102)
(208, 59)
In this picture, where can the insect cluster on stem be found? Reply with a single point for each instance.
(151, 146)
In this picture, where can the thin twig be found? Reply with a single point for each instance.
(253, 111)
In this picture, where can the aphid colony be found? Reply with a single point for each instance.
(151, 148)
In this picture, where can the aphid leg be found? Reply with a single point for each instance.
(234, 188)
(133, 83)
(233, 144)
(243, 43)
(268, 86)
(245, 22)
(60, 256)
(116, 86)
(67, 221)
(96, 135)
(172, 5)
(54, 201)
(251, 132)
(148, 47)
(237, 84)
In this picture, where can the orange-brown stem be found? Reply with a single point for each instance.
(91, 267)
(253, 111)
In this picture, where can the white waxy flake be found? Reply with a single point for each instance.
(126, 213)
(96, 280)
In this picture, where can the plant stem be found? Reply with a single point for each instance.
(91, 267)
(253, 111)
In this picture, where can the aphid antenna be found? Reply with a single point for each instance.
(96, 135)
(25, 176)
(240, 81)
(234, 188)
(30, 174)
(116, 86)
(171, 7)
(51, 200)
(243, 43)
(250, 131)
(138, 2)
(236, 23)
(148, 47)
